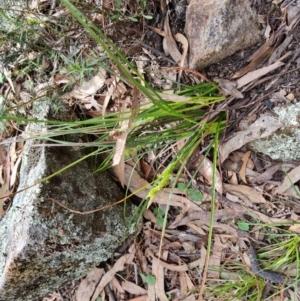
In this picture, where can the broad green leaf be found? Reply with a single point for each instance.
(195, 195)
(149, 279)
(181, 187)
(242, 225)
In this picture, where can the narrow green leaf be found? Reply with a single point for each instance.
(133, 19)
(148, 17)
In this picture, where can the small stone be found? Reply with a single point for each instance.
(217, 29)
(290, 97)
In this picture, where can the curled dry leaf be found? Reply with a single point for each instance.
(169, 44)
(125, 125)
(243, 168)
(185, 46)
(264, 126)
(206, 171)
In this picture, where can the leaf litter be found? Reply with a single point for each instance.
(172, 258)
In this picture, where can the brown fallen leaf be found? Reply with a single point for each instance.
(185, 46)
(263, 52)
(289, 180)
(205, 169)
(229, 88)
(125, 126)
(215, 258)
(251, 76)
(169, 44)
(117, 267)
(87, 286)
(243, 168)
(158, 271)
(248, 195)
(269, 172)
(132, 288)
(264, 126)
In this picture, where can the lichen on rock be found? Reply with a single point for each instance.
(43, 245)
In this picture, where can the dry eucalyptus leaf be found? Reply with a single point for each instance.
(295, 228)
(264, 126)
(289, 180)
(125, 125)
(251, 76)
(247, 194)
(206, 170)
(215, 258)
(262, 53)
(169, 44)
(158, 271)
(243, 168)
(88, 284)
(132, 288)
(117, 267)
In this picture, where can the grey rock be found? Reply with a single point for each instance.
(284, 144)
(218, 28)
(42, 245)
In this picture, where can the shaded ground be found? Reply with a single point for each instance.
(172, 264)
